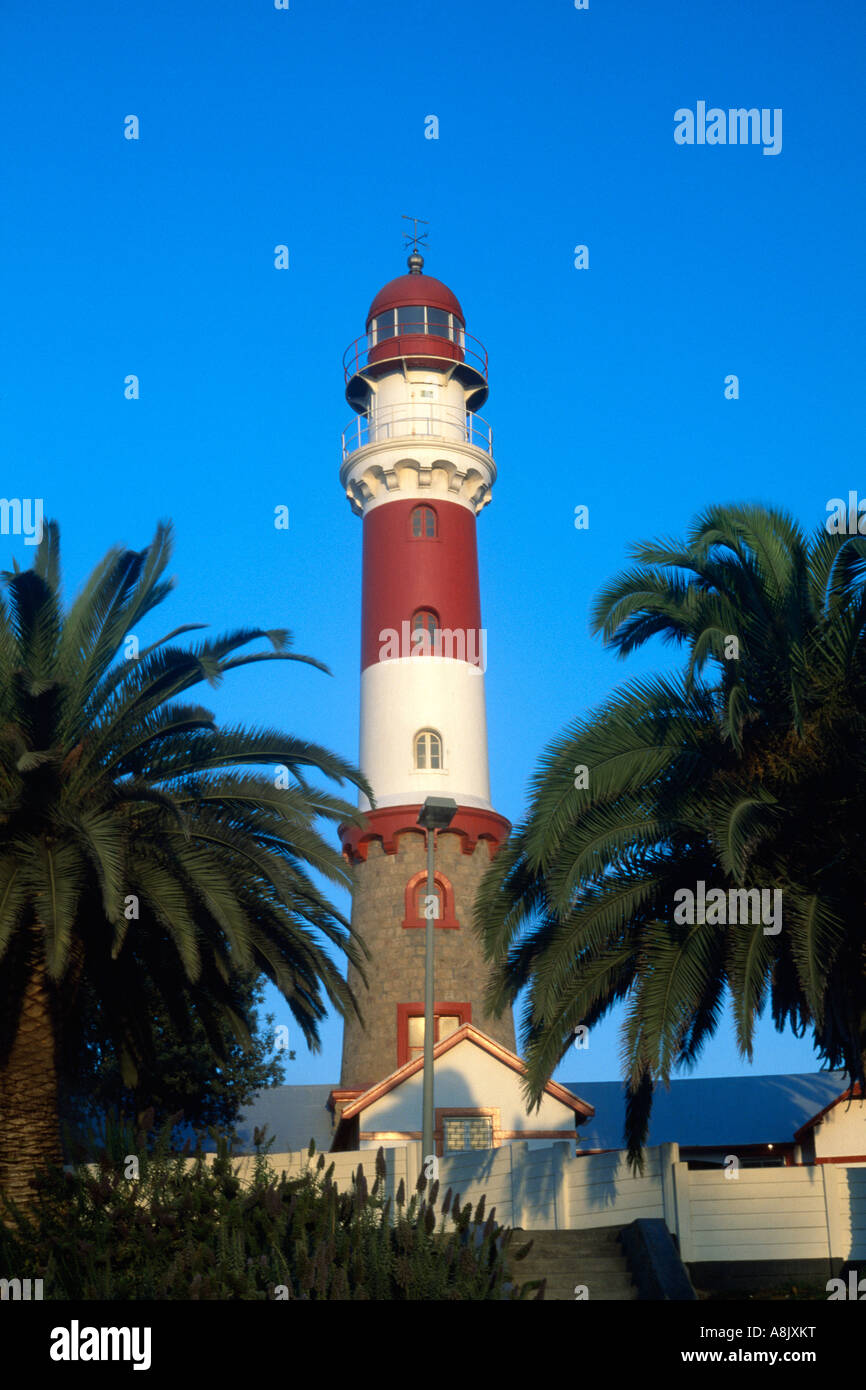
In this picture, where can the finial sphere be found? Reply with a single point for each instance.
(415, 263)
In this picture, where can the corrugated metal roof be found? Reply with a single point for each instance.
(293, 1114)
(712, 1111)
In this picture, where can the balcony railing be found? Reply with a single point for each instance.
(445, 422)
(406, 341)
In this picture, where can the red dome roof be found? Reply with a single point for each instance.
(415, 289)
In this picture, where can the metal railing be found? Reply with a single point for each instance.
(461, 347)
(446, 422)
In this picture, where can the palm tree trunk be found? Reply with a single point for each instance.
(29, 1125)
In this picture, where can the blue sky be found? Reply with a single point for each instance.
(306, 127)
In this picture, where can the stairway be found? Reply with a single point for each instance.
(593, 1257)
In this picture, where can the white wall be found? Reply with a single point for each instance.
(464, 1077)
(374, 474)
(842, 1132)
(401, 696)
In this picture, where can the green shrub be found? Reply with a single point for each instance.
(188, 1230)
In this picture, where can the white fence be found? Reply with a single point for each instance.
(773, 1213)
(761, 1214)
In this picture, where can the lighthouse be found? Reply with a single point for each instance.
(418, 468)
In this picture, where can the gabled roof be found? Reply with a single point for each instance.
(467, 1033)
(857, 1094)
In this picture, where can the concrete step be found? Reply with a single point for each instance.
(593, 1258)
(591, 1236)
(564, 1293)
(597, 1293)
(558, 1255)
(563, 1269)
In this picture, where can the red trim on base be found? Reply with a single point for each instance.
(840, 1158)
(347, 1093)
(567, 1134)
(343, 1096)
(471, 823)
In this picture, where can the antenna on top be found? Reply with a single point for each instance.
(415, 239)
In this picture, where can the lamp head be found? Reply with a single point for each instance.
(437, 813)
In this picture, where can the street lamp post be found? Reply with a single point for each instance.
(437, 813)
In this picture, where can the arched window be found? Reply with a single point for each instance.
(415, 908)
(424, 524)
(421, 900)
(428, 751)
(425, 625)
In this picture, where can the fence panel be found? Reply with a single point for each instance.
(535, 1184)
(604, 1192)
(851, 1193)
(764, 1214)
(485, 1172)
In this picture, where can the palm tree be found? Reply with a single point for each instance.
(746, 771)
(139, 841)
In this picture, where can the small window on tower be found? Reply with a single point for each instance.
(423, 523)
(411, 1044)
(425, 625)
(421, 901)
(416, 1037)
(428, 751)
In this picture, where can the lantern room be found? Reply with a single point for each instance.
(415, 324)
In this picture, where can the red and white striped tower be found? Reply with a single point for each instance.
(418, 467)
